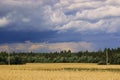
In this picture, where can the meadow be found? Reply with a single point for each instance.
(59, 71)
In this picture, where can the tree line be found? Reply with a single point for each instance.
(62, 57)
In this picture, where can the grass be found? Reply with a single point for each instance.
(60, 71)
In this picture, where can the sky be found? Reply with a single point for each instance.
(55, 25)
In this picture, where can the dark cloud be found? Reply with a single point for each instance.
(22, 36)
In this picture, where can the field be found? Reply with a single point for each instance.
(60, 71)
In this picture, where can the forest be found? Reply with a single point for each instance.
(99, 57)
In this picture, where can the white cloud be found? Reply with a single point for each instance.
(99, 13)
(73, 46)
(104, 25)
(26, 20)
(35, 47)
(20, 47)
(48, 47)
(85, 5)
(58, 17)
(113, 2)
(4, 21)
(4, 48)
(110, 25)
(87, 15)
(22, 3)
(63, 15)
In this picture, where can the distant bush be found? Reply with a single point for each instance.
(2, 63)
(101, 63)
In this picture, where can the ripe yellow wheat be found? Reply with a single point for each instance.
(51, 71)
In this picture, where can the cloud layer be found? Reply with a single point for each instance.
(60, 23)
(59, 15)
(47, 47)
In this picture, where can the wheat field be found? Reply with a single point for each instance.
(60, 71)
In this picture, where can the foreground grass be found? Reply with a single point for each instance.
(60, 71)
